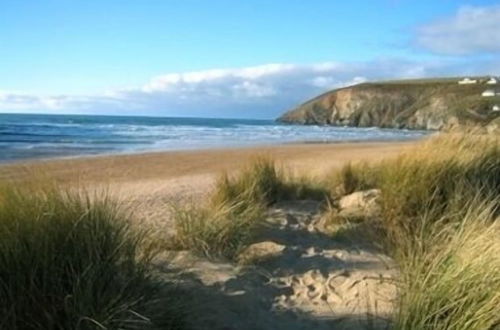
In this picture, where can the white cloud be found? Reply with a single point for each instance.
(17, 100)
(471, 30)
(262, 91)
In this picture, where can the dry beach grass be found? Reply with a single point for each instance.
(440, 204)
(71, 261)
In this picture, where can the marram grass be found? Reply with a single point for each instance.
(429, 178)
(215, 232)
(236, 208)
(440, 208)
(264, 182)
(71, 261)
(453, 280)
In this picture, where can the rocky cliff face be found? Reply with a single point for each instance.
(419, 104)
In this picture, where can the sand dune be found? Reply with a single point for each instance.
(316, 282)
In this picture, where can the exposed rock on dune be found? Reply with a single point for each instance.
(260, 252)
(415, 104)
(361, 204)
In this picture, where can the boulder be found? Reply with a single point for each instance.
(361, 204)
(259, 252)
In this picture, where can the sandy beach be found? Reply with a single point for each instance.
(182, 173)
(148, 182)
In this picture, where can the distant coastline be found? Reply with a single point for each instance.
(423, 104)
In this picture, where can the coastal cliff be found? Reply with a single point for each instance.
(430, 104)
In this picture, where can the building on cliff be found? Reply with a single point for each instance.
(467, 81)
(489, 93)
(492, 81)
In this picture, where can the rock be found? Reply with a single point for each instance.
(259, 252)
(360, 204)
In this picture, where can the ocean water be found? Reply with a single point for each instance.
(48, 136)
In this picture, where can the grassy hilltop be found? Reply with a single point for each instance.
(439, 103)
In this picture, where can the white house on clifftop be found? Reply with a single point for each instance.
(492, 81)
(467, 81)
(488, 93)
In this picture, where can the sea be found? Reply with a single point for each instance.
(29, 136)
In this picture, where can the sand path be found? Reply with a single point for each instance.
(315, 283)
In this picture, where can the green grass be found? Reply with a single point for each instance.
(71, 261)
(236, 208)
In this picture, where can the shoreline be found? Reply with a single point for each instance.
(40, 160)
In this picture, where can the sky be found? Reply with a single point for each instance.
(228, 58)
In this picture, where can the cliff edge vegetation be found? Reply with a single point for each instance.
(429, 104)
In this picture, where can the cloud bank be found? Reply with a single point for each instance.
(472, 30)
(262, 91)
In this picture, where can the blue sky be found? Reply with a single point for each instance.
(226, 58)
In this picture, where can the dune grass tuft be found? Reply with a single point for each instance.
(430, 178)
(352, 177)
(439, 202)
(215, 232)
(451, 273)
(227, 224)
(262, 181)
(71, 261)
